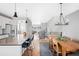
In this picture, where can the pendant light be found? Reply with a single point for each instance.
(62, 20)
(26, 21)
(26, 16)
(15, 13)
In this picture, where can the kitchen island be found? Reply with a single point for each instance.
(10, 46)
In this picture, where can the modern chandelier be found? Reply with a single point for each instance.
(15, 13)
(62, 20)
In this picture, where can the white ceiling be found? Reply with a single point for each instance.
(38, 12)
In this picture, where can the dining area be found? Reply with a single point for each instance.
(63, 46)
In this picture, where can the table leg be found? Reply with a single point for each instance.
(63, 52)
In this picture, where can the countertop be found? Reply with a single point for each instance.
(12, 41)
(9, 41)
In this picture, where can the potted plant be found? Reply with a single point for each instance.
(60, 37)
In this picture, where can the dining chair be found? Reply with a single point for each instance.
(56, 47)
(50, 42)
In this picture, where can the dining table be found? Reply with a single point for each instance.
(68, 46)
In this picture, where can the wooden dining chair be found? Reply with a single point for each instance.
(56, 47)
(50, 43)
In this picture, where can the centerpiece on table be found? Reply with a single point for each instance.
(60, 37)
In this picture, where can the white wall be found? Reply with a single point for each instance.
(36, 28)
(29, 26)
(43, 26)
(72, 30)
(51, 27)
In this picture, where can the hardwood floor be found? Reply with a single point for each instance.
(39, 48)
(34, 50)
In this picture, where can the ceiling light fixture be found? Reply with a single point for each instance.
(62, 20)
(15, 13)
(26, 16)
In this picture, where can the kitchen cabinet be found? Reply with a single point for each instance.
(0, 30)
(10, 50)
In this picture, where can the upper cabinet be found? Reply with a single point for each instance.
(3, 21)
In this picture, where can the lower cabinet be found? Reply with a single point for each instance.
(10, 51)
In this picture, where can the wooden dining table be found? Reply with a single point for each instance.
(68, 46)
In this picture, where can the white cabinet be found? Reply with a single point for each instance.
(10, 51)
(3, 36)
(0, 30)
(8, 28)
(3, 26)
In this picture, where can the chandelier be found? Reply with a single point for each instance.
(15, 13)
(62, 20)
